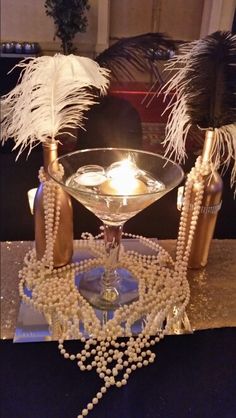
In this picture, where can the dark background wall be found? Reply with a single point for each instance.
(114, 122)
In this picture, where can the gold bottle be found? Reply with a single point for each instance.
(210, 207)
(63, 246)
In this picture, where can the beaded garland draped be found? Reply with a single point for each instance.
(163, 296)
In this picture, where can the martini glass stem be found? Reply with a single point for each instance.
(112, 239)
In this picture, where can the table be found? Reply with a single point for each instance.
(192, 377)
(213, 289)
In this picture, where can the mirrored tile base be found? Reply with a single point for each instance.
(33, 326)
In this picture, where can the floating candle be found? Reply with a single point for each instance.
(123, 187)
(122, 180)
(90, 179)
(90, 175)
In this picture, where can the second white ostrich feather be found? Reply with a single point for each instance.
(203, 89)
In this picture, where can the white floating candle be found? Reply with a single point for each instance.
(90, 179)
(124, 188)
(122, 180)
(90, 175)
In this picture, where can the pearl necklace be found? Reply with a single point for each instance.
(163, 295)
(51, 214)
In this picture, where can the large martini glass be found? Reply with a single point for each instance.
(114, 184)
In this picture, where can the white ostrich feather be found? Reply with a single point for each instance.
(179, 122)
(183, 67)
(51, 96)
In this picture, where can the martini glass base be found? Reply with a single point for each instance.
(124, 291)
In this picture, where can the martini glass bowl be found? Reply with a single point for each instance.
(114, 184)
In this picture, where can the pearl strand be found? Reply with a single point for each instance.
(51, 202)
(162, 286)
(57, 293)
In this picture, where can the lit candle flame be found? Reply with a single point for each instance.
(123, 179)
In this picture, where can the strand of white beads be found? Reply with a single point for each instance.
(163, 286)
(51, 202)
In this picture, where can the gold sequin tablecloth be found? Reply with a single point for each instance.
(213, 289)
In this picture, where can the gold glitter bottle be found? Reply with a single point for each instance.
(210, 207)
